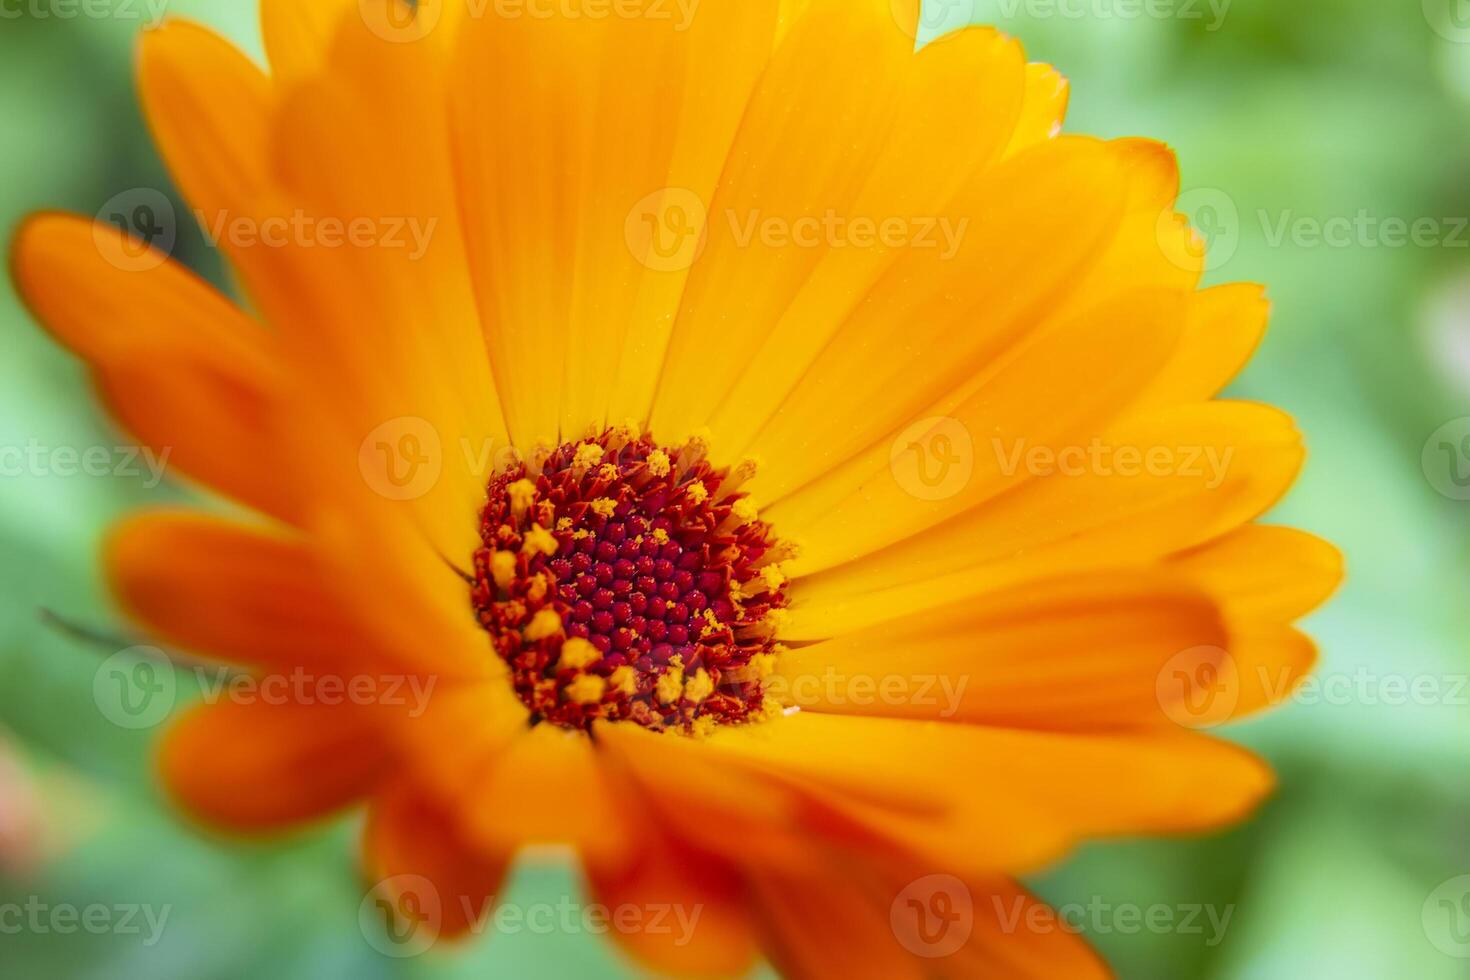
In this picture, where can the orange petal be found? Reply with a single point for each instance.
(1222, 330)
(1265, 574)
(298, 36)
(694, 915)
(208, 107)
(1057, 388)
(263, 766)
(982, 272)
(410, 840)
(1017, 937)
(1043, 109)
(1068, 654)
(830, 926)
(551, 178)
(999, 799)
(177, 363)
(885, 154)
(548, 787)
(1216, 466)
(243, 594)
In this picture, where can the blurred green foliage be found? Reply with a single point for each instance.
(1314, 109)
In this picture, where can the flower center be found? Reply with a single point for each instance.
(621, 580)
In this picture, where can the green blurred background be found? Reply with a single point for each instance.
(1299, 112)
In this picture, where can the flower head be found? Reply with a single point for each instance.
(765, 458)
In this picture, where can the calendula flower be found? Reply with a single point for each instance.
(767, 459)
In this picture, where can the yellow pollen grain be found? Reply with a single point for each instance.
(625, 679)
(581, 533)
(503, 569)
(604, 506)
(539, 541)
(712, 624)
(745, 511)
(538, 588)
(670, 686)
(545, 623)
(660, 535)
(577, 654)
(699, 687)
(587, 689)
(702, 727)
(697, 492)
(658, 463)
(608, 472)
(563, 523)
(521, 493)
(773, 577)
(589, 454)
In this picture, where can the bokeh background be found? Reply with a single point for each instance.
(1288, 117)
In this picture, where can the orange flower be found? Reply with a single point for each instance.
(786, 468)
